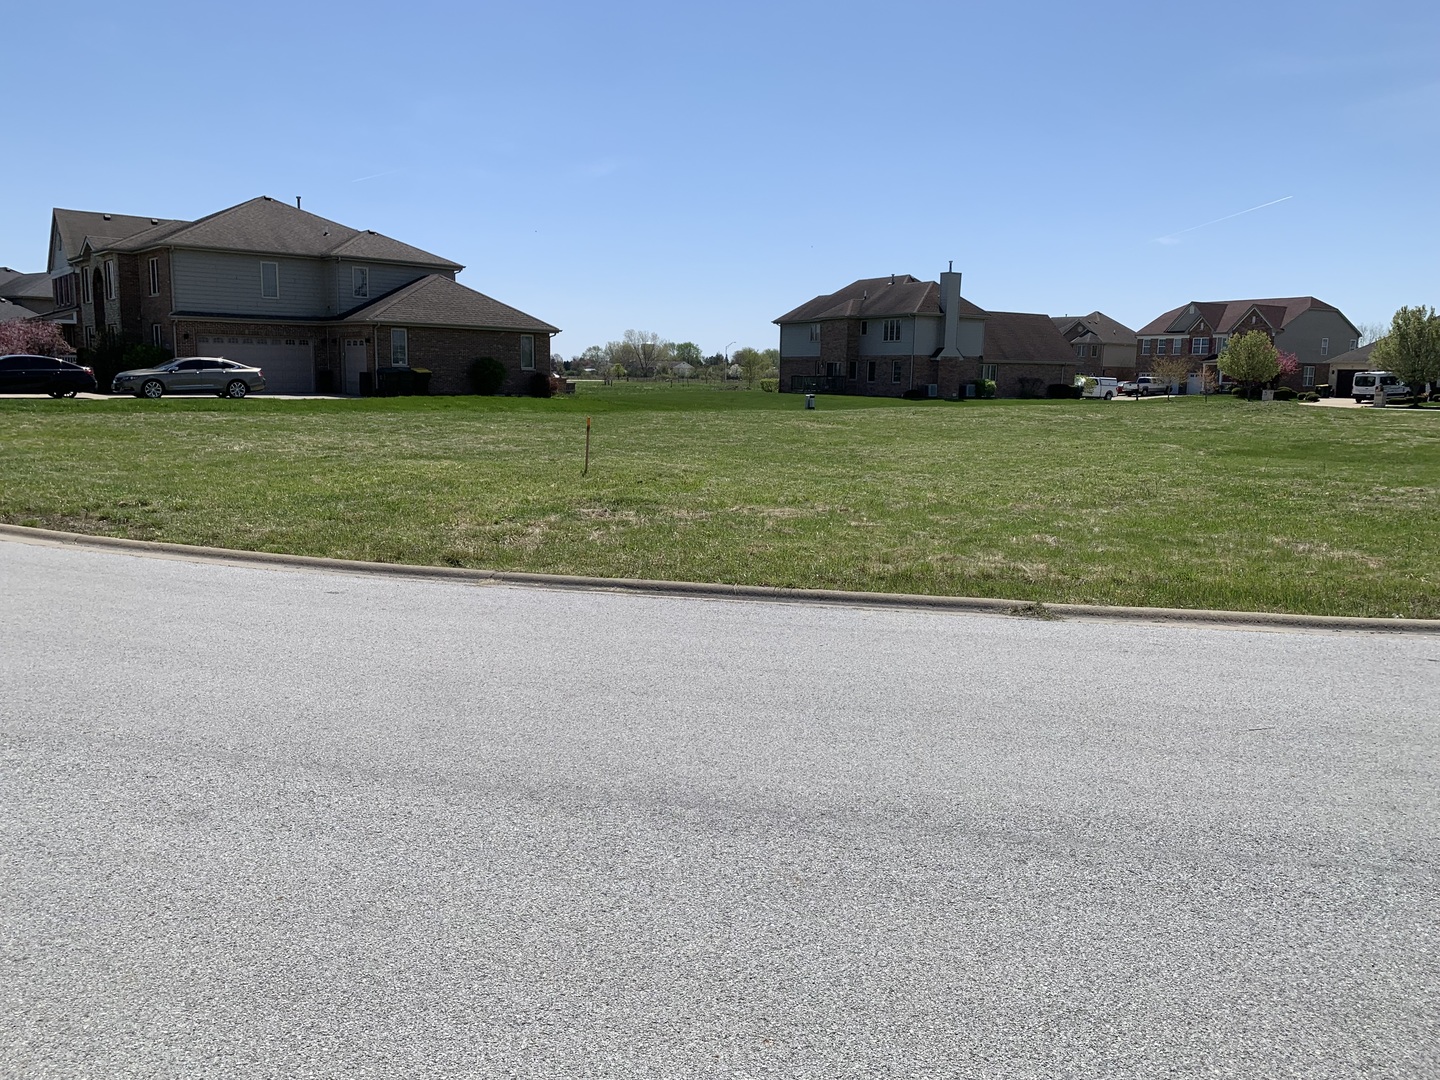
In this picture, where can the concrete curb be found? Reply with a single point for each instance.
(1242, 620)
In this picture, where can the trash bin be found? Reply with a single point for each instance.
(324, 381)
(393, 381)
(809, 401)
(366, 384)
(420, 381)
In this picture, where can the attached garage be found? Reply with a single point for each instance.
(288, 363)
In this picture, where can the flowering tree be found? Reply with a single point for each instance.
(34, 337)
(1287, 362)
(1250, 359)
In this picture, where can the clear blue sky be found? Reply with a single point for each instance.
(697, 170)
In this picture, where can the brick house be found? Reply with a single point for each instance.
(319, 305)
(885, 336)
(1103, 346)
(1313, 330)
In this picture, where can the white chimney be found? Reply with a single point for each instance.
(950, 305)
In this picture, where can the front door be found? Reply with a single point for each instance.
(355, 361)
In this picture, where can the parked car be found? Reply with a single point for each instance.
(191, 375)
(1363, 388)
(21, 373)
(1096, 386)
(1144, 386)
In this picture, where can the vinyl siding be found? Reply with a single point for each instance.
(225, 283)
(384, 278)
(795, 340)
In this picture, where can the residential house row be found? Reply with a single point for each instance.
(887, 336)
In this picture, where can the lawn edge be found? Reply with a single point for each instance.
(1245, 620)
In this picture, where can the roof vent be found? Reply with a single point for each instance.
(105, 216)
(154, 221)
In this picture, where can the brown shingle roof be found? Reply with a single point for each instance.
(876, 298)
(1096, 324)
(267, 226)
(436, 300)
(1222, 316)
(1018, 337)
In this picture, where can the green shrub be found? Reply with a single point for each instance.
(1284, 393)
(1063, 390)
(1242, 392)
(1310, 396)
(538, 385)
(770, 386)
(487, 375)
(985, 388)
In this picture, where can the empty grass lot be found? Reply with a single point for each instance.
(1186, 503)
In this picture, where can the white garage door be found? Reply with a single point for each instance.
(288, 363)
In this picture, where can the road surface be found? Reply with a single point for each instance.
(276, 823)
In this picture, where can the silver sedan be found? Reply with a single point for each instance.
(191, 375)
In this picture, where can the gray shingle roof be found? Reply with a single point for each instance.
(876, 298)
(76, 225)
(268, 226)
(1355, 358)
(436, 300)
(27, 287)
(1018, 337)
(13, 312)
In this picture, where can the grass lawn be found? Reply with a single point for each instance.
(1187, 503)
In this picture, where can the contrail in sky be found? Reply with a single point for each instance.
(374, 176)
(1170, 238)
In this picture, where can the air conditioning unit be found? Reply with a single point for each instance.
(934, 389)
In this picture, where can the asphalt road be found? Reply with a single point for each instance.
(272, 823)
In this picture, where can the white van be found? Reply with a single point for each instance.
(1097, 386)
(1363, 388)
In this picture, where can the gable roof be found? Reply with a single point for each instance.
(75, 225)
(875, 298)
(1020, 337)
(1356, 358)
(14, 312)
(1222, 316)
(268, 226)
(1096, 324)
(437, 300)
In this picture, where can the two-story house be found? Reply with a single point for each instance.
(1313, 330)
(319, 305)
(1103, 346)
(886, 336)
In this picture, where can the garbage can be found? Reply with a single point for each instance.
(809, 401)
(324, 381)
(366, 384)
(420, 381)
(393, 381)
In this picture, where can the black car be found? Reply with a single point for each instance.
(24, 374)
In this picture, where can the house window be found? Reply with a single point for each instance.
(109, 279)
(892, 330)
(1220, 340)
(1160, 346)
(270, 280)
(864, 327)
(1179, 346)
(85, 287)
(854, 369)
(399, 347)
(896, 371)
(1307, 375)
(832, 368)
(527, 352)
(1199, 346)
(155, 334)
(90, 336)
(1080, 352)
(154, 277)
(1354, 343)
(360, 282)
(989, 371)
(814, 331)
(1324, 346)
(1145, 346)
(1094, 350)
(870, 371)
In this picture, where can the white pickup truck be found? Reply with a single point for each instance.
(1144, 386)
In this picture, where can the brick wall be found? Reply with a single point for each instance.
(156, 309)
(448, 354)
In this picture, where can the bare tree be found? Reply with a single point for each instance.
(1171, 370)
